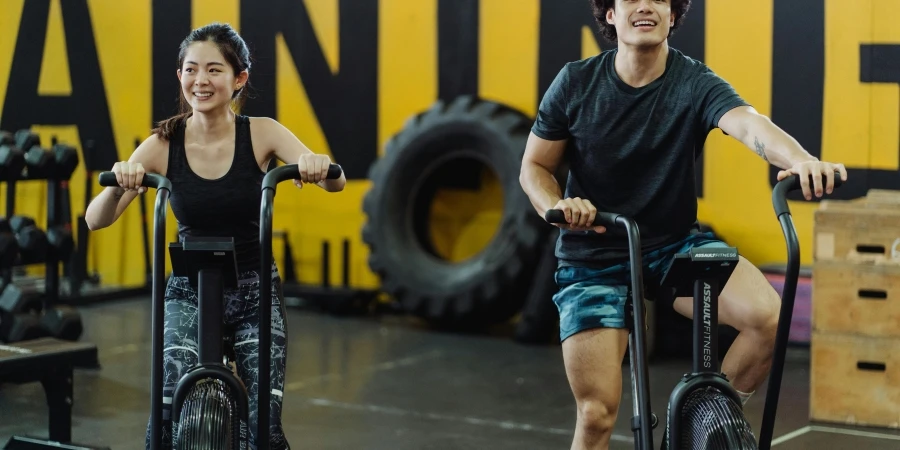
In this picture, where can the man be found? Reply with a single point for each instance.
(634, 119)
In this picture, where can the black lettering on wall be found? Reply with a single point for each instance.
(86, 107)
(344, 103)
(690, 39)
(559, 39)
(171, 24)
(798, 75)
(559, 42)
(880, 63)
(458, 25)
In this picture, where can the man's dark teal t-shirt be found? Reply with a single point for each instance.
(632, 150)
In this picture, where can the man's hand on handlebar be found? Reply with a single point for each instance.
(580, 214)
(817, 169)
(130, 175)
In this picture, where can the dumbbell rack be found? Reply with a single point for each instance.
(31, 312)
(86, 288)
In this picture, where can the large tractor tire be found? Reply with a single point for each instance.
(488, 287)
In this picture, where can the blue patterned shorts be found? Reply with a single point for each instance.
(592, 298)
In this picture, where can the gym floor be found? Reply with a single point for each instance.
(360, 383)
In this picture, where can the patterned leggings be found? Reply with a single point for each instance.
(181, 347)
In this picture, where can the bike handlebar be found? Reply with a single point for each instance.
(275, 176)
(788, 185)
(291, 172)
(779, 200)
(150, 180)
(605, 219)
(788, 295)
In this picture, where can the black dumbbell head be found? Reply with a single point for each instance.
(9, 250)
(10, 156)
(17, 223)
(22, 327)
(32, 241)
(17, 300)
(62, 322)
(60, 240)
(12, 160)
(66, 160)
(40, 163)
(25, 139)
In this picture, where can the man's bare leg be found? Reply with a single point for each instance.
(751, 305)
(593, 360)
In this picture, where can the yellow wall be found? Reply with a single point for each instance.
(860, 120)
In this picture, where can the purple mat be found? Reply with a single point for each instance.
(801, 325)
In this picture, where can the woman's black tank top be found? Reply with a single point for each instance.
(225, 207)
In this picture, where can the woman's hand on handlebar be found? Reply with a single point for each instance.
(130, 175)
(313, 168)
(580, 214)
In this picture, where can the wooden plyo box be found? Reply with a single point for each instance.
(856, 298)
(855, 342)
(866, 229)
(855, 380)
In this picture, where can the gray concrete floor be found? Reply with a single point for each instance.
(385, 383)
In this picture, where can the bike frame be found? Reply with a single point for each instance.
(642, 422)
(685, 277)
(788, 295)
(704, 373)
(269, 184)
(163, 188)
(211, 280)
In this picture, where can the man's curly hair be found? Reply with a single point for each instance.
(679, 8)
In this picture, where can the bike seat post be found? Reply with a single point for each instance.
(210, 295)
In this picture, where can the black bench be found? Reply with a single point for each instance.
(51, 362)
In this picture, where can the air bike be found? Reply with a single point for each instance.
(210, 404)
(704, 410)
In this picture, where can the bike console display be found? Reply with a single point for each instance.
(710, 263)
(204, 253)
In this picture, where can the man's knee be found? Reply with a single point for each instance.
(597, 417)
(752, 302)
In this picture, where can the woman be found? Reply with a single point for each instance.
(216, 160)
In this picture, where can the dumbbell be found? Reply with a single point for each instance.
(23, 316)
(9, 248)
(60, 242)
(16, 300)
(20, 314)
(32, 241)
(39, 162)
(65, 161)
(12, 160)
(62, 322)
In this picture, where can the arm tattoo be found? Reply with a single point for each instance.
(760, 149)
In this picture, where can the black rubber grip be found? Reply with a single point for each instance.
(790, 184)
(793, 182)
(605, 219)
(108, 179)
(291, 172)
(150, 180)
